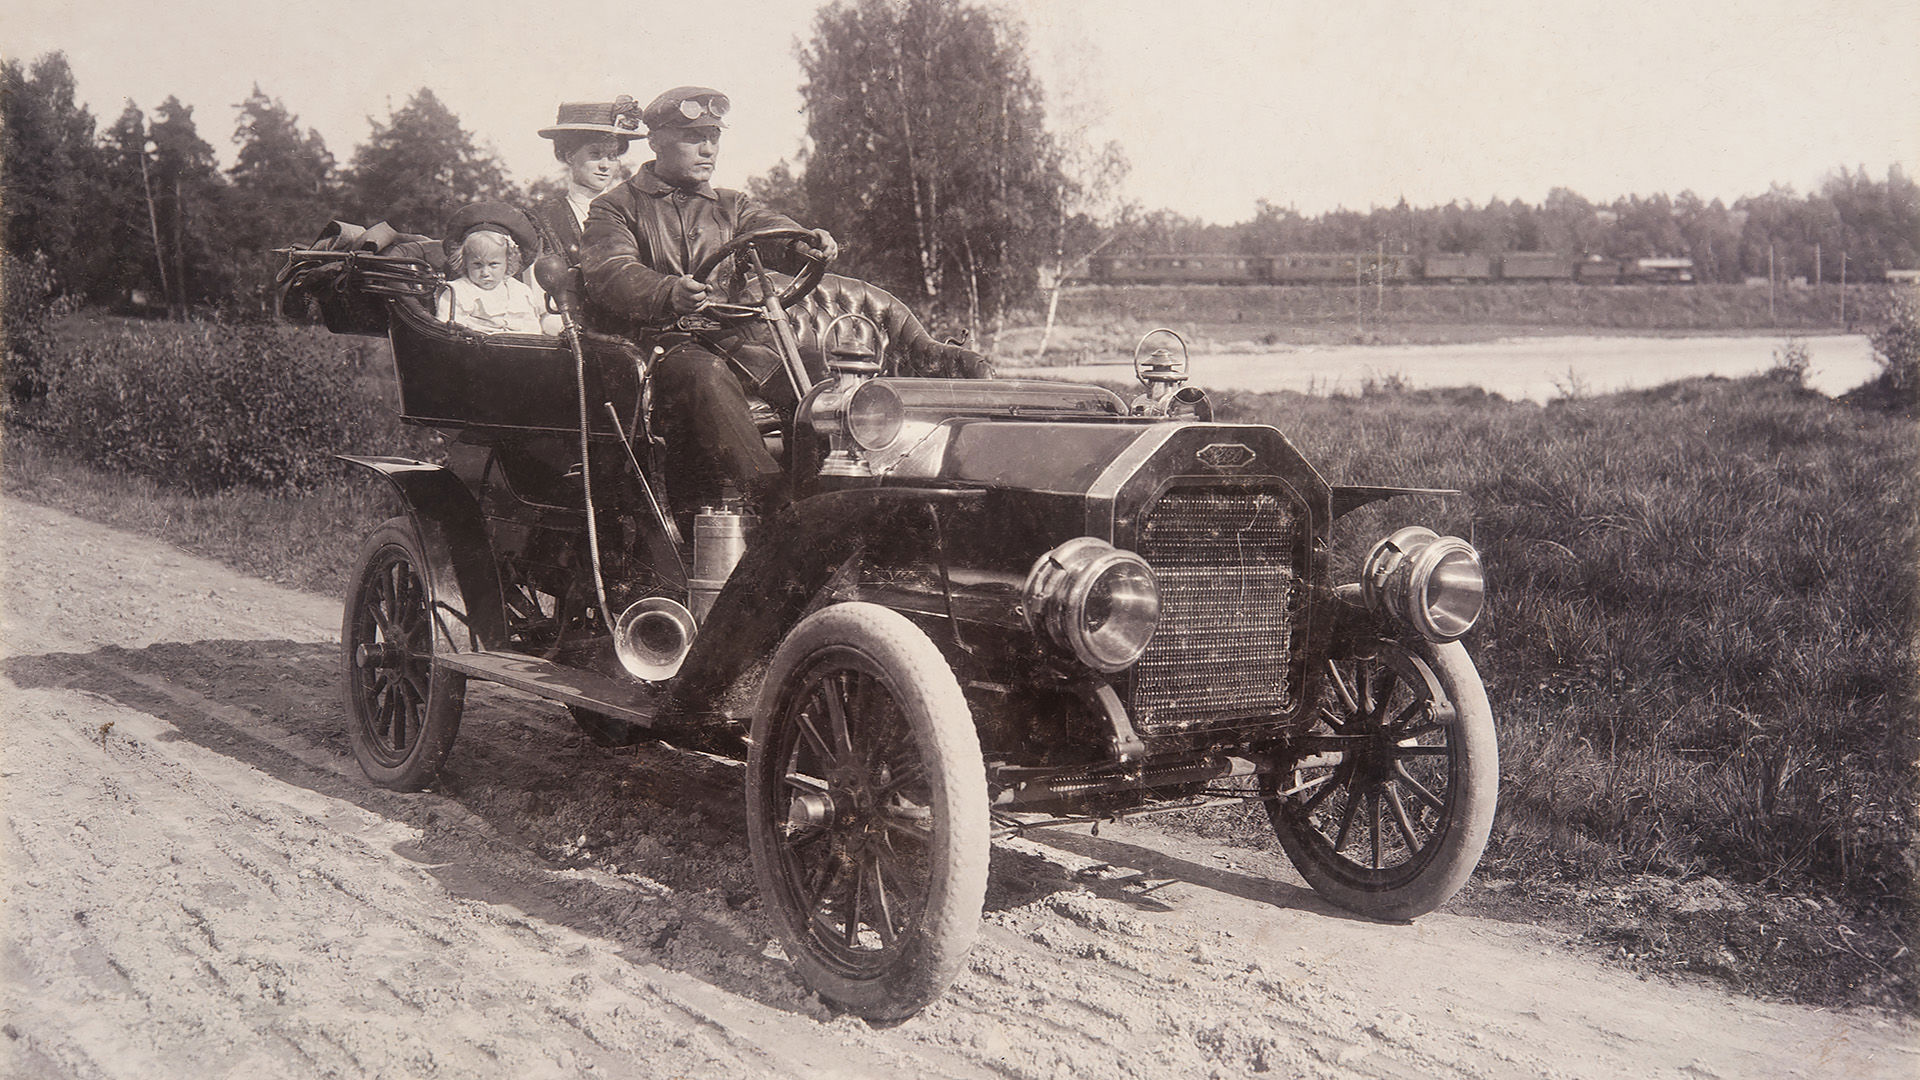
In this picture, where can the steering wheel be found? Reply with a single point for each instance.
(804, 283)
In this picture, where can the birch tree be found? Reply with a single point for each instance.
(929, 153)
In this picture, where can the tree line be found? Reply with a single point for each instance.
(927, 153)
(1874, 224)
(139, 213)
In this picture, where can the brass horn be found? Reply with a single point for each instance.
(652, 638)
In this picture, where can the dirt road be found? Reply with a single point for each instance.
(198, 883)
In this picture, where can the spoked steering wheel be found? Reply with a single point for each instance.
(804, 283)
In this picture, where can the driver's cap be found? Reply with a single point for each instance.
(687, 106)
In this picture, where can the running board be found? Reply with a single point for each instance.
(633, 702)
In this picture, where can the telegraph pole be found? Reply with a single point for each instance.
(1380, 280)
(153, 224)
(1359, 308)
(1843, 288)
(1770, 318)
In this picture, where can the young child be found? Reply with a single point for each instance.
(483, 290)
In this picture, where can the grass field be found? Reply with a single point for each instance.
(1700, 645)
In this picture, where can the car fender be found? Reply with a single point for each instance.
(796, 556)
(470, 612)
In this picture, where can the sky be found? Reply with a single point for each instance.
(1217, 104)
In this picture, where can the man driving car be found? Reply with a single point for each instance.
(642, 239)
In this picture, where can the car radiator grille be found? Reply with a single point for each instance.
(1228, 599)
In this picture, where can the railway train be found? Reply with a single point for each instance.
(1347, 268)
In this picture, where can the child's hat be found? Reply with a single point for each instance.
(491, 215)
(619, 118)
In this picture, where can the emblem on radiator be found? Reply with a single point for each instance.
(1226, 456)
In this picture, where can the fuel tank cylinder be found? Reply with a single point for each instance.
(720, 537)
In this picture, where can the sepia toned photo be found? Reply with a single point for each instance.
(958, 538)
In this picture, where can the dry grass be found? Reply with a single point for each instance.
(1701, 641)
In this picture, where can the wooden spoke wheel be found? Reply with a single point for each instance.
(868, 810)
(402, 712)
(1388, 806)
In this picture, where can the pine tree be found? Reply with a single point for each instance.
(47, 162)
(187, 193)
(283, 192)
(126, 261)
(420, 166)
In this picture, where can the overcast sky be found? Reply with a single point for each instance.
(1217, 103)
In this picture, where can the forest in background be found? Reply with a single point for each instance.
(927, 150)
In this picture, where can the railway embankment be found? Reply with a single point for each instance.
(1438, 314)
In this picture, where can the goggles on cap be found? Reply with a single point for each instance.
(715, 106)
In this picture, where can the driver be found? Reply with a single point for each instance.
(641, 239)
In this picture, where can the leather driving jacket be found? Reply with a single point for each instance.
(645, 232)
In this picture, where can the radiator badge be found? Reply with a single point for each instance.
(1225, 456)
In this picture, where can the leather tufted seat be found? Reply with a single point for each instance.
(909, 349)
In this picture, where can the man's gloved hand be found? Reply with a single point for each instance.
(688, 295)
(823, 245)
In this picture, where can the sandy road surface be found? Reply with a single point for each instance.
(197, 883)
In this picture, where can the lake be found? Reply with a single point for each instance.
(1531, 369)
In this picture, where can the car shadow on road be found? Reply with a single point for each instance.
(641, 847)
(1152, 866)
(644, 847)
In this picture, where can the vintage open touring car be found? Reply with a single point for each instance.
(991, 605)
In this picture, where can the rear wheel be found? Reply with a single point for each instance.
(867, 810)
(402, 711)
(1387, 811)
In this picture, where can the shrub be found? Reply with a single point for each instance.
(29, 303)
(1897, 348)
(209, 407)
(1791, 360)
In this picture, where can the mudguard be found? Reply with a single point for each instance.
(799, 551)
(470, 612)
(1351, 497)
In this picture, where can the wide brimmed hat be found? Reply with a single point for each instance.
(619, 118)
(688, 106)
(492, 215)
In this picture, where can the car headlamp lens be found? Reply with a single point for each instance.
(1433, 584)
(1097, 601)
(875, 416)
(1454, 592)
(1119, 615)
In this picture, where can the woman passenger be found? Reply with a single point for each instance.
(588, 138)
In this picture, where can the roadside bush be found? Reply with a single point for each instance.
(29, 304)
(209, 407)
(1791, 359)
(1897, 348)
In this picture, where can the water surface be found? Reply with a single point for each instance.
(1531, 369)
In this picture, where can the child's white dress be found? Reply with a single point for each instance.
(510, 307)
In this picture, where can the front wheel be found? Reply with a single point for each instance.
(1388, 808)
(867, 810)
(403, 711)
